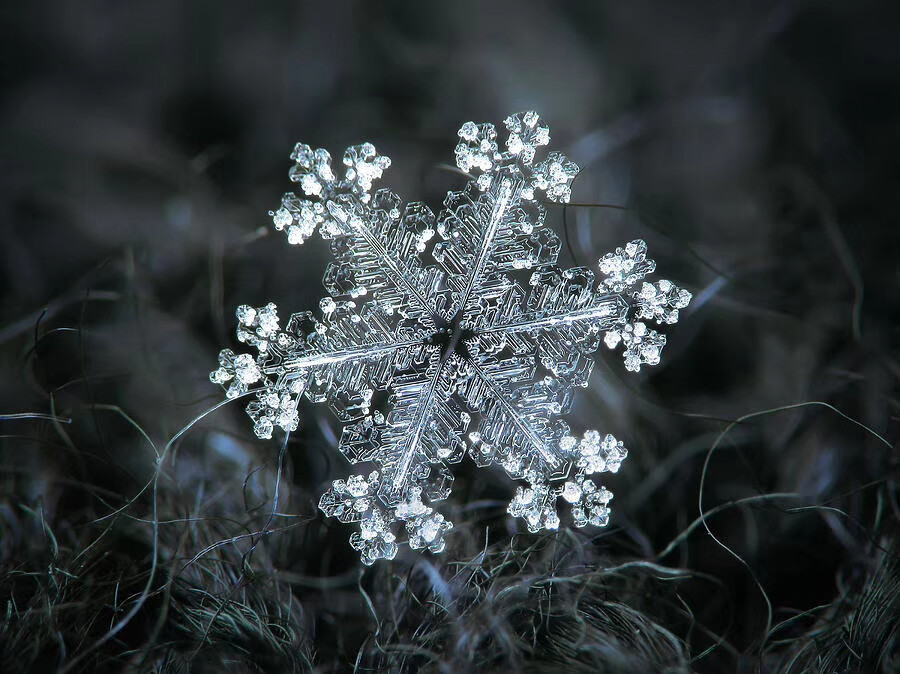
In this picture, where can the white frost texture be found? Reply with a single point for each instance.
(431, 317)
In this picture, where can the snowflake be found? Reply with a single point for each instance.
(431, 346)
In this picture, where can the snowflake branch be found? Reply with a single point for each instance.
(605, 315)
(397, 269)
(505, 194)
(368, 352)
(549, 455)
(409, 434)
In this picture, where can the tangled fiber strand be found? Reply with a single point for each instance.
(860, 630)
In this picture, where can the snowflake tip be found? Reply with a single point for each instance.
(526, 135)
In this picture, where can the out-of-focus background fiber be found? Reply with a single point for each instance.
(756, 148)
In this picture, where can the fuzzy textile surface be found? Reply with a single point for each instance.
(754, 145)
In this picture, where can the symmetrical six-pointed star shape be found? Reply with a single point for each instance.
(427, 351)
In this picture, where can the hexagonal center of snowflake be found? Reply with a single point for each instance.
(451, 337)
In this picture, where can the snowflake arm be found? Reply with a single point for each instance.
(380, 253)
(371, 241)
(520, 431)
(417, 428)
(498, 212)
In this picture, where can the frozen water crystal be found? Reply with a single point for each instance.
(425, 308)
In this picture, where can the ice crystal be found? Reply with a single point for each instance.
(470, 360)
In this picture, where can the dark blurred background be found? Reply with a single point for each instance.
(754, 145)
